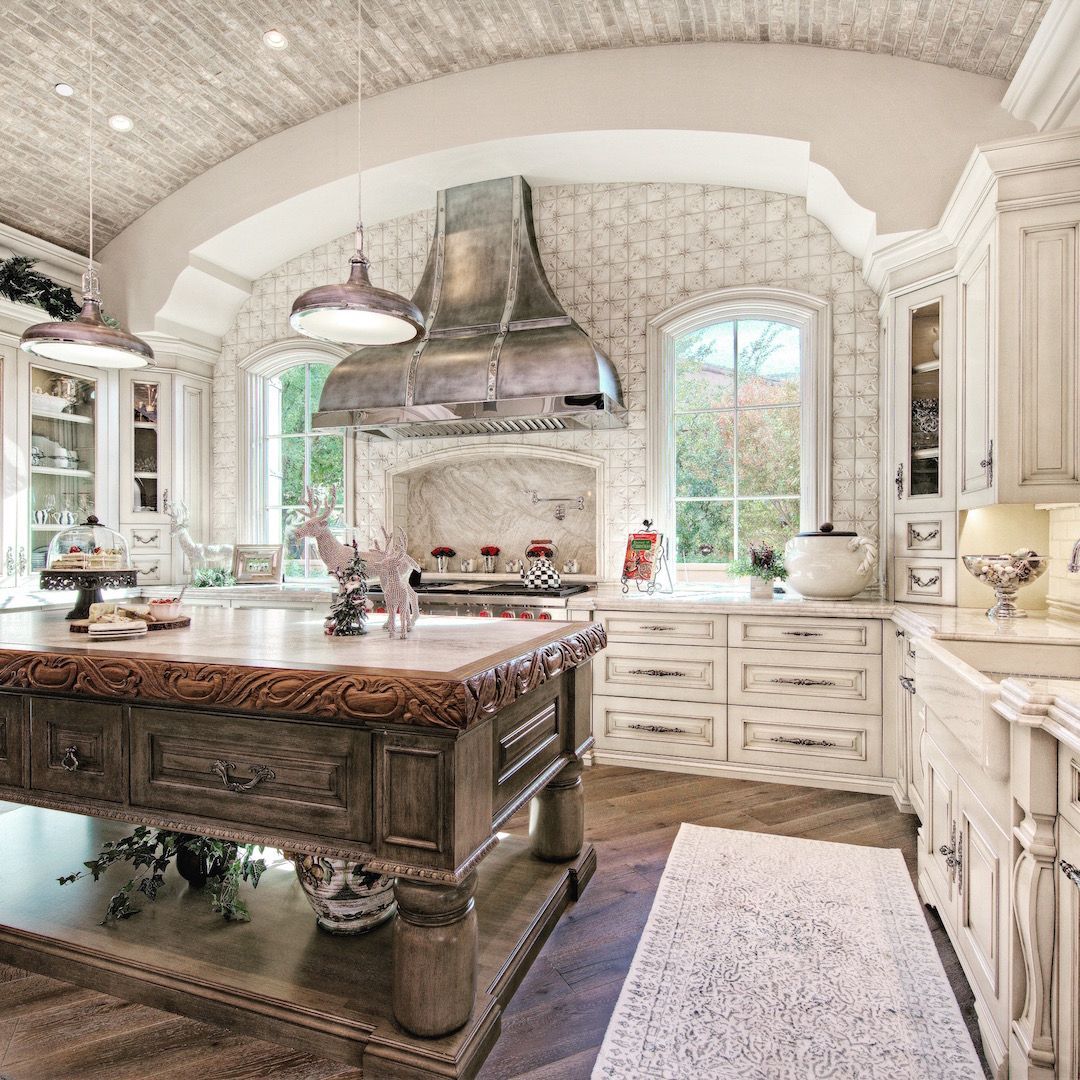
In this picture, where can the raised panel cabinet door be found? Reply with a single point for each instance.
(1066, 991)
(12, 739)
(77, 748)
(977, 383)
(983, 920)
(145, 447)
(917, 730)
(937, 836)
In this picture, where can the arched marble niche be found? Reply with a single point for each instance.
(483, 494)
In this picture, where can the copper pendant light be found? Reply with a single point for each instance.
(356, 312)
(87, 339)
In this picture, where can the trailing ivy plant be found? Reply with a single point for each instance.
(19, 281)
(152, 851)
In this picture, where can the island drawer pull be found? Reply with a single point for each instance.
(1070, 871)
(791, 741)
(658, 729)
(259, 773)
(657, 673)
(908, 683)
(801, 633)
(802, 682)
(70, 761)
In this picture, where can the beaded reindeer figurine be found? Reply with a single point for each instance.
(393, 564)
(336, 556)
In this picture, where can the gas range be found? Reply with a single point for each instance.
(486, 599)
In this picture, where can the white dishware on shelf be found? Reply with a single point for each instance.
(829, 565)
(48, 404)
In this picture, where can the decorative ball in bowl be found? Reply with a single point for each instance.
(1007, 575)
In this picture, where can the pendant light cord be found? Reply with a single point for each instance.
(359, 128)
(91, 276)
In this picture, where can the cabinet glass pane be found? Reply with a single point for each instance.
(145, 447)
(63, 414)
(924, 466)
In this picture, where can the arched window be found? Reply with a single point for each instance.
(739, 406)
(286, 456)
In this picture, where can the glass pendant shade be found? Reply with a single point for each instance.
(86, 339)
(356, 312)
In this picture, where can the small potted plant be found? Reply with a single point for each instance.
(763, 565)
(490, 553)
(443, 555)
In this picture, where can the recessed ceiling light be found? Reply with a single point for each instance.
(64, 90)
(275, 39)
(120, 122)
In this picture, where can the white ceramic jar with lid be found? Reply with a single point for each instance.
(829, 565)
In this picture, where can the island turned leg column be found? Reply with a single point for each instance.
(435, 956)
(557, 816)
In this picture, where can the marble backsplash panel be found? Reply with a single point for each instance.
(468, 504)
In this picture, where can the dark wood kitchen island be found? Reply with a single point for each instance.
(407, 754)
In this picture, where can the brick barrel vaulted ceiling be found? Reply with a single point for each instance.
(200, 86)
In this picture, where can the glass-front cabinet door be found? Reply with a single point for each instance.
(146, 456)
(924, 366)
(63, 458)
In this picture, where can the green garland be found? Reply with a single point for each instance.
(19, 281)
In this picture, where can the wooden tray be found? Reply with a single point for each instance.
(82, 626)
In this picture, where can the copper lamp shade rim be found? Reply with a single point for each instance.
(86, 329)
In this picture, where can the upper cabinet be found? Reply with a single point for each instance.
(145, 450)
(977, 382)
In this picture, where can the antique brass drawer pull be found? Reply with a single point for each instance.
(801, 633)
(657, 729)
(790, 741)
(259, 773)
(657, 673)
(1070, 871)
(908, 683)
(802, 682)
(70, 761)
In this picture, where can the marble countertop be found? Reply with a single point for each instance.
(972, 624)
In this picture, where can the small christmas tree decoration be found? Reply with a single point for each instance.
(348, 613)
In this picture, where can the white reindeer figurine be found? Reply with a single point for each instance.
(335, 555)
(198, 555)
(393, 564)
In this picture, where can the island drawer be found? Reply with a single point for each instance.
(12, 740)
(295, 777)
(680, 628)
(667, 672)
(825, 635)
(671, 729)
(77, 748)
(1069, 786)
(845, 682)
(805, 739)
(527, 741)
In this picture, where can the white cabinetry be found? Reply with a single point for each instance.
(1067, 966)
(977, 383)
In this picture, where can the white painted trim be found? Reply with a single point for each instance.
(1046, 86)
(813, 317)
(61, 264)
(252, 373)
(487, 450)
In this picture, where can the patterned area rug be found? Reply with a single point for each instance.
(775, 958)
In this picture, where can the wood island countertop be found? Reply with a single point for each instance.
(450, 673)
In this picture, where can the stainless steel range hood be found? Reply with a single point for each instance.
(499, 356)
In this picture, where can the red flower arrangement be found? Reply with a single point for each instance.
(443, 552)
(539, 552)
(490, 550)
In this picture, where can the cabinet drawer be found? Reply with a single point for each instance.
(926, 581)
(142, 538)
(153, 569)
(925, 536)
(12, 740)
(670, 629)
(674, 729)
(526, 743)
(1069, 786)
(825, 635)
(845, 682)
(77, 748)
(672, 672)
(803, 739)
(301, 777)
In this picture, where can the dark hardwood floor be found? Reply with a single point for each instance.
(552, 1031)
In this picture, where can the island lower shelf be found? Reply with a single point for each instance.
(278, 977)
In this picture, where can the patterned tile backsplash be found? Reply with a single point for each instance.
(617, 255)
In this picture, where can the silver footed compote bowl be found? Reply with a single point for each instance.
(1007, 575)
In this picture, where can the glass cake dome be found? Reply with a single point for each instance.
(90, 546)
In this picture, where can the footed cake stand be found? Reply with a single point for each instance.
(89, 583)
